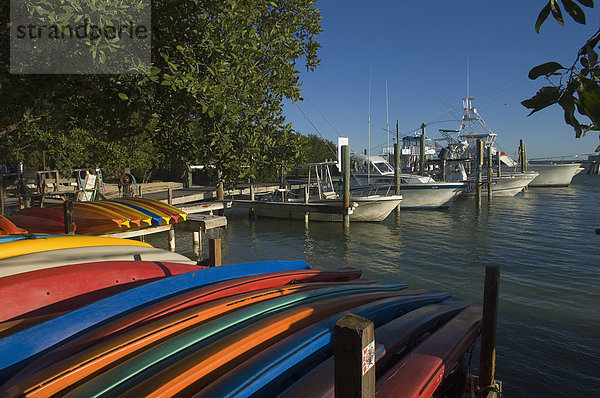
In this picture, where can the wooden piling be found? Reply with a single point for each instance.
(397, 170)
(489, 171)
(171, 231)
(487, 361)
(479, 175)
(214, 252)
(422, 151)
(306, 217)
(252, 211)
(346, 175)
(523, 156)
(354, 357)
(499, 172)
(346, 182)
(68, 217)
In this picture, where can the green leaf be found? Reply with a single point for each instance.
(556, 13)
(589, 101)
(547, 69)
(587, 3)
(574, 11)
(542, 17)
(567, 102)
(123, 96)
(545, 97)
(592, 56)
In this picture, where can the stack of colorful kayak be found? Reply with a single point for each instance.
(100, 217)
(44, 275)
(260, 329)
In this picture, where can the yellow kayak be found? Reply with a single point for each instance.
(126, 211)
(41, 244)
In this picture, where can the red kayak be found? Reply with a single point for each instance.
(59, 289)
(41, 220)
(422, 370)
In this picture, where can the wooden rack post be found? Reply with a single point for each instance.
(214, 252)
(68, 217)
(1, 194)
(354, 357)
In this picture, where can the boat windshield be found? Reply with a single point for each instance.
(384, 167)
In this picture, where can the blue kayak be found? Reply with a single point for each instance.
(21, 348)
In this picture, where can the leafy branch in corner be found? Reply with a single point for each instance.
(577, 87)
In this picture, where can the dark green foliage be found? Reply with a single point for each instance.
(220, 71)
(575, 89)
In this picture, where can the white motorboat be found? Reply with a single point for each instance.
(550, 174)
(417, 191)
(366, 207)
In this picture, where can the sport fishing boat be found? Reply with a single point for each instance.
(459, 151)
(366, 206)
(375, 175)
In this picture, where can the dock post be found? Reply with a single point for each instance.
(354, 357)
(487, 361)
(172, 230)
(422, 150)
(214, 252)
(443, 167)
(346, 181)
(397, 167)
(220, 193)
(522, 156)
(499, 172)
(306, 217)
(479, 176)
(252, 211)
(489, 171)
(68, 217)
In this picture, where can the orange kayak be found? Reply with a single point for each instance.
(206, 364)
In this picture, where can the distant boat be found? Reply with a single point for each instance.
(551, 174)
(462, 149)
(417, 191)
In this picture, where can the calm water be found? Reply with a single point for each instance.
(543, 240)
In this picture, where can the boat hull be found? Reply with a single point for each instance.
(420, 196)
(506, 185)
(369, 209)
(553, 175)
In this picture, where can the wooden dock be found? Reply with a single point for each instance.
(188, 195)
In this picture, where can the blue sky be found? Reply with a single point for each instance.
(423, 49)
